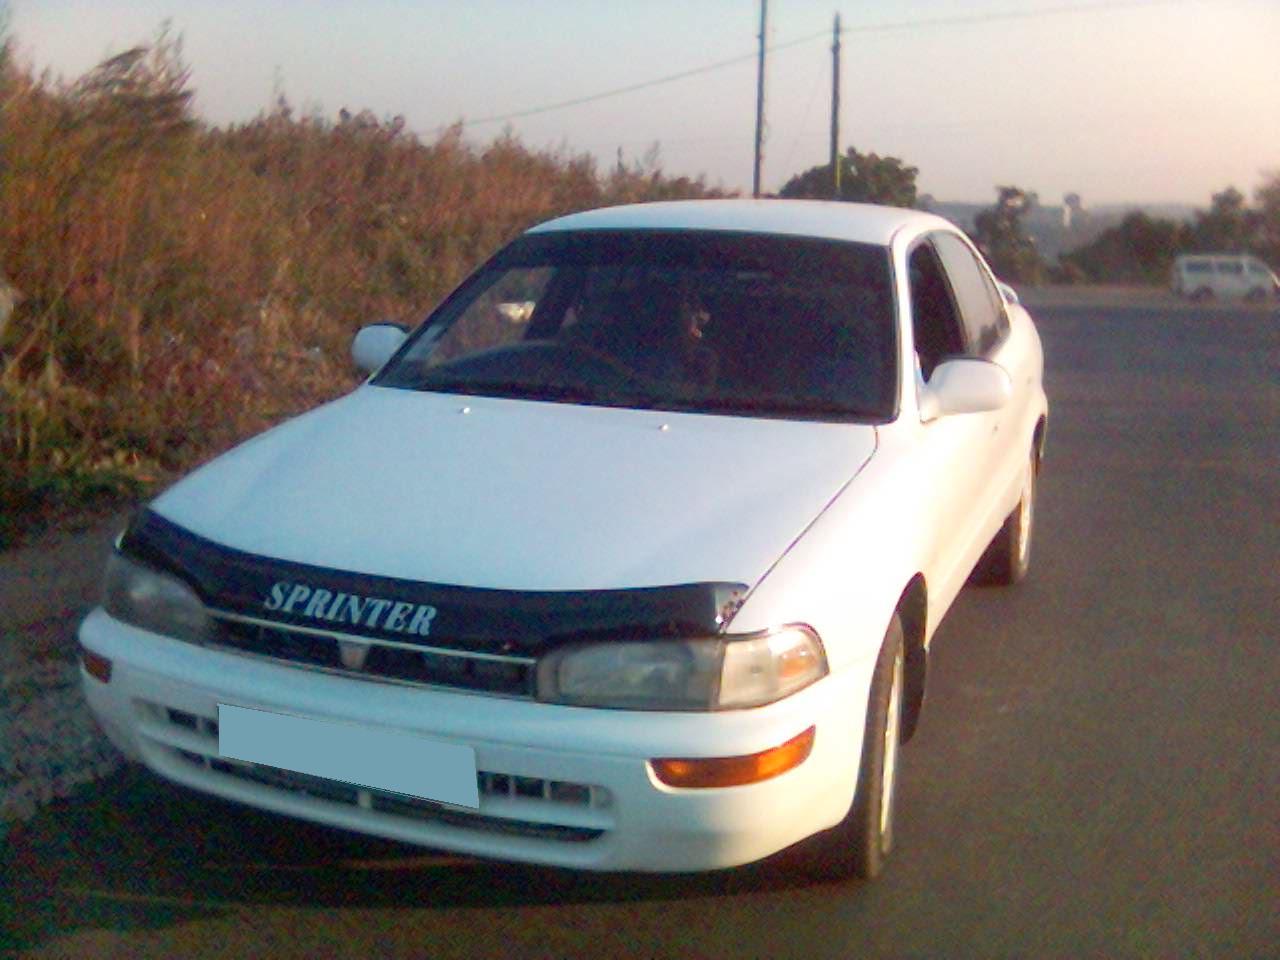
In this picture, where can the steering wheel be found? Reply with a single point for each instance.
(606, 360)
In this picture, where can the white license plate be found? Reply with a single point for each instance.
(381, 759)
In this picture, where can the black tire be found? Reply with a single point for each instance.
(1202, 295)
(1256, 295)
(859, 845)
(1008, 557)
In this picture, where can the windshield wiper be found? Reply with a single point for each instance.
(573, 393)
(515, 389)
(776, 407)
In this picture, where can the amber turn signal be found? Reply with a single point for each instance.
(734, 771)
(96, 666)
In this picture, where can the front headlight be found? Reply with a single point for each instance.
(154, 601)
(704, 674)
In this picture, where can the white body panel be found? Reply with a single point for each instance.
(521, 495)
(826, 523)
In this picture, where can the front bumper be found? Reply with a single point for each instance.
(559, 785)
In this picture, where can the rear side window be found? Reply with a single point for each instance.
(1197, 266)
(981, 309)
(1230, 267)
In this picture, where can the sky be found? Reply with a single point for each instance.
(1145, 101)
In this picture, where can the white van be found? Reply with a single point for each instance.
(1227, 275)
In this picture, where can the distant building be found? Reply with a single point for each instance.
(1059, 229)
(1072, 209)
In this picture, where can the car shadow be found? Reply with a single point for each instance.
(134, 852)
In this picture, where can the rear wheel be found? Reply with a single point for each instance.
(1202, 295)
(859, 845)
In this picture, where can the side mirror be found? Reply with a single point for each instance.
(374, 345)
(1010, 295)
(965, 385)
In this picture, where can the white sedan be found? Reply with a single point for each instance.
(628, 558)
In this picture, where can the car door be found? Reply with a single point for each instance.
(954, 453)
(998, 453)
(1231, 279)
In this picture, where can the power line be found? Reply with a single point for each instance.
(818, 75)
(883, 27)
(964, 20)
(643, 85)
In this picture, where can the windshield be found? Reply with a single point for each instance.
(705, 322)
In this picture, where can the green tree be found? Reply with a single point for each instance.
(1000, 234)
(1267, 197)
(864, 178)
(1140, 249)
(1227, 226)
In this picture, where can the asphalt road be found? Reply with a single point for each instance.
(1096, 773)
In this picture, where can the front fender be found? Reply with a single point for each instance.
(844, 574)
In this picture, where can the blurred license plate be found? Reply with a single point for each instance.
(381, 759)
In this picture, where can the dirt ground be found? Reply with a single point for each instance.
(47, 585)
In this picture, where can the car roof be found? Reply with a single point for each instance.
(827, 219)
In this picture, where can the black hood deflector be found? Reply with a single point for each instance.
(522, 622)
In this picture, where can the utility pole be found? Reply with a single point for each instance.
(755, 179)
(835, 109)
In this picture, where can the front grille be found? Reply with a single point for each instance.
(507, 676)
(282, 644)
(532, 807)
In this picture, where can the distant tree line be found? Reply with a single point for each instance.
(1139, 249)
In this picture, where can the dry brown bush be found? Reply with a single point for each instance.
(183, 285)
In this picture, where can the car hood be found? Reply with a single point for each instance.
(521, 495)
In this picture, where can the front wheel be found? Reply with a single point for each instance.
(859, 845)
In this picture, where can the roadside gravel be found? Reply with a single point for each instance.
(49, 743)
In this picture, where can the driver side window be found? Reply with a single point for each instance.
(498, 316)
